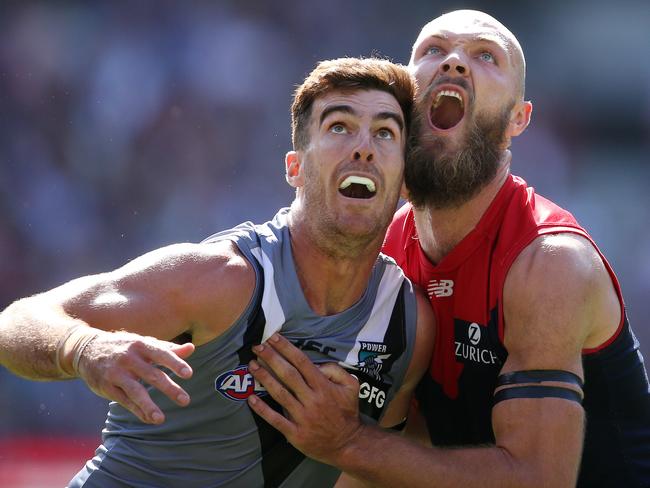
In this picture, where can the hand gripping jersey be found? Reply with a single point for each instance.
(465, 290)
(217, 440)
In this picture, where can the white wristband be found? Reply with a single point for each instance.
(71, 346)
(60, 345)
(79, 351)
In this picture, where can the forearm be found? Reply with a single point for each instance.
(30, 331)
(385, 459)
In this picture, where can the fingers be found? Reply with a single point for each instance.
(321, 403)
(281, 423)
(282, 355)
(274, 388)
(116, 366)
(161, 381)
(137, 398)
(285, 372)
(170, 356)
(125, 387)
(183, 350)
(338, 375)
(117, 394)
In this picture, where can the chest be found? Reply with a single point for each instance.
(466, 300)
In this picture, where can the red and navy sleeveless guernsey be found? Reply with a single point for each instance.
(466, 293)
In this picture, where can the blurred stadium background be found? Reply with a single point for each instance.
(125, 126)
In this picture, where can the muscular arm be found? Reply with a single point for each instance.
(558, 299)
(195, 288)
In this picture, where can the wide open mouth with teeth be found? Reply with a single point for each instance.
(357, 187)
(447, 110)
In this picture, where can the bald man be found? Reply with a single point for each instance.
(532, 340)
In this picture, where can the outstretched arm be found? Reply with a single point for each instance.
(112, 329)
(558, 298)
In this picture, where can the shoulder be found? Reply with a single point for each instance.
(552, 253)
(566, 262)
(188, 262)
(558, 294)
(209, 285)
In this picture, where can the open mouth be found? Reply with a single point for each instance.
(447, 110)
(357, 187)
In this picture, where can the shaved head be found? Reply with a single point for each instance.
(471, 22)
(470, 71)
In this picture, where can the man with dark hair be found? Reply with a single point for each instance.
(314, 272)
(532, 337)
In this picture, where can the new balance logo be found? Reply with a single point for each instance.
(440, 288)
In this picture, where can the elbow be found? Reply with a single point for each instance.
(8, 319)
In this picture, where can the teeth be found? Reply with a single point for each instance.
(447, 93)
(360, 180)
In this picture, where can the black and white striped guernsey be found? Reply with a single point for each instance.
(217, 440)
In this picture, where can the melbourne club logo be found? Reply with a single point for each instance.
(238, 384)
(371, 358)
(440, 288)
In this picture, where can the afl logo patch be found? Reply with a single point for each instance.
(238, 384)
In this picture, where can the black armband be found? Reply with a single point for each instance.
(518, 385)
(536, 391)
(538, 376)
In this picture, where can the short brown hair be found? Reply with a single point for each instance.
(349, 74)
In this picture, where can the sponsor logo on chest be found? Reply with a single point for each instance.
(371, 394)
(472, 344)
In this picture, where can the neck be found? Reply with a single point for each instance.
(332, 278)
(441, 229)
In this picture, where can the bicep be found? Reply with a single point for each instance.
(549, 307)
(136, 297)
(164, 293)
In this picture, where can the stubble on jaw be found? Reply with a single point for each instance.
(324, 224)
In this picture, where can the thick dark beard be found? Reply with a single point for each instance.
(438, 180)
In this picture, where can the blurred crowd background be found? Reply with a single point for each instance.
(125, 126)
